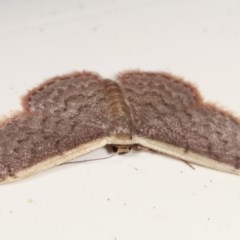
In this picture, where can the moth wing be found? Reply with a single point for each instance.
(62, 119)
(170, 117)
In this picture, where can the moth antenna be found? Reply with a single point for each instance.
(89, 160)
(188, 164)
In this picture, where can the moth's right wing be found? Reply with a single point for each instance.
(63, 118)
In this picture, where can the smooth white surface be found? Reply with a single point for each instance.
(139, 195)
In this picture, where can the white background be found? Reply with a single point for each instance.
(139, 195)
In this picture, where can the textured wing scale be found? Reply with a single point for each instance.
(74, 114)
(59, 116)
(169, 116)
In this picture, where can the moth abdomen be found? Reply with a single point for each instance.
(114, 96)
(118, 110)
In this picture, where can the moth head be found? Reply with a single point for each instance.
(121, 149)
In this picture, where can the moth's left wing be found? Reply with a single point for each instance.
(169, 116)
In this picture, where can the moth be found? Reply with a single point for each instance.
(71, 115)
